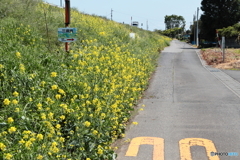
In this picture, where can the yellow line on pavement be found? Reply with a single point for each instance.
(185, 144)
(158, 146)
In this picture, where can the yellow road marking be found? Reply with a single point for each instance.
(158, 146)
(185, 144)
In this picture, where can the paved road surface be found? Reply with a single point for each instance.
(190, 112)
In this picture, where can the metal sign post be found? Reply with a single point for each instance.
(223, 48)
(67, 20)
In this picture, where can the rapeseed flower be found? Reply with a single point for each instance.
(54, 87)
(39, 157)
(14, 101)
(87, 124)
(2, 147)
(135, 123)
(22, 68)
(6, 102)
(58, 96)
(8, 156)
(18, 55)
(28, 144)
(15, 93)
(17, 109)
(62, 91)
(1, 66)
(10, 120)
(100, 151)
(12, 130)
(39, 136)
(53, 74)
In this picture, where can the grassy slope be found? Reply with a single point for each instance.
(57, 105)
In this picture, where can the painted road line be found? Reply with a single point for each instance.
(185, 144)
(158, 146)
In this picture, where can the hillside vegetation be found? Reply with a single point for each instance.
(60, 106)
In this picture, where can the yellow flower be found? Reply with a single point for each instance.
(39, 105)
(102, 33)
(88, 158)
(22, 68)
(15, 93)
(14, 101)
(39, 136)
(43, 116)
(6, 102)
(61, 139)
(28, 144)
(10, 120)
(61, 91)
(42, 83)
(58, 126)
(54, 87)
(39, 157)
(95, 132)
(135, 123)
(2, 147)
(8, 156)
(1, 66)
(27, 132)
(53, 74)
(32, 139)
(100, 151)
(12, 130)
(18, 54)
(87, 124)
(58, 96)
(17, 109)
(62, 117)
(50, 115)
(21, 141)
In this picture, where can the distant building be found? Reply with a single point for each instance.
(135, 23)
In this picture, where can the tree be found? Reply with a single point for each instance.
(218, 14)
(174, 21)
(174, 25)
(173, 33)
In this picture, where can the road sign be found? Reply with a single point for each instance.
(67, 34)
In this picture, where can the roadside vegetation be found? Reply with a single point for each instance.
(56, 105)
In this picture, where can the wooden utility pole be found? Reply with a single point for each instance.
(67, 20)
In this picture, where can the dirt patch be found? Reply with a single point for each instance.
(214, 57)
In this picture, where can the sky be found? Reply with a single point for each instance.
(151, 12)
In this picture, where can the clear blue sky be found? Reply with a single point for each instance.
(142, 11)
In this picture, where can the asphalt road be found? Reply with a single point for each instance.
(188, 113)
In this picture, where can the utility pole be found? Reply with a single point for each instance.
(194, 33)
(67, 20)
(111, 14)
(197, 27)
(147, 24)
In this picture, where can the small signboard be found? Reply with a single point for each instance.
(67, 34)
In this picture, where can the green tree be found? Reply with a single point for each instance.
(174, 21)
(218, 14)
(174, 26)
